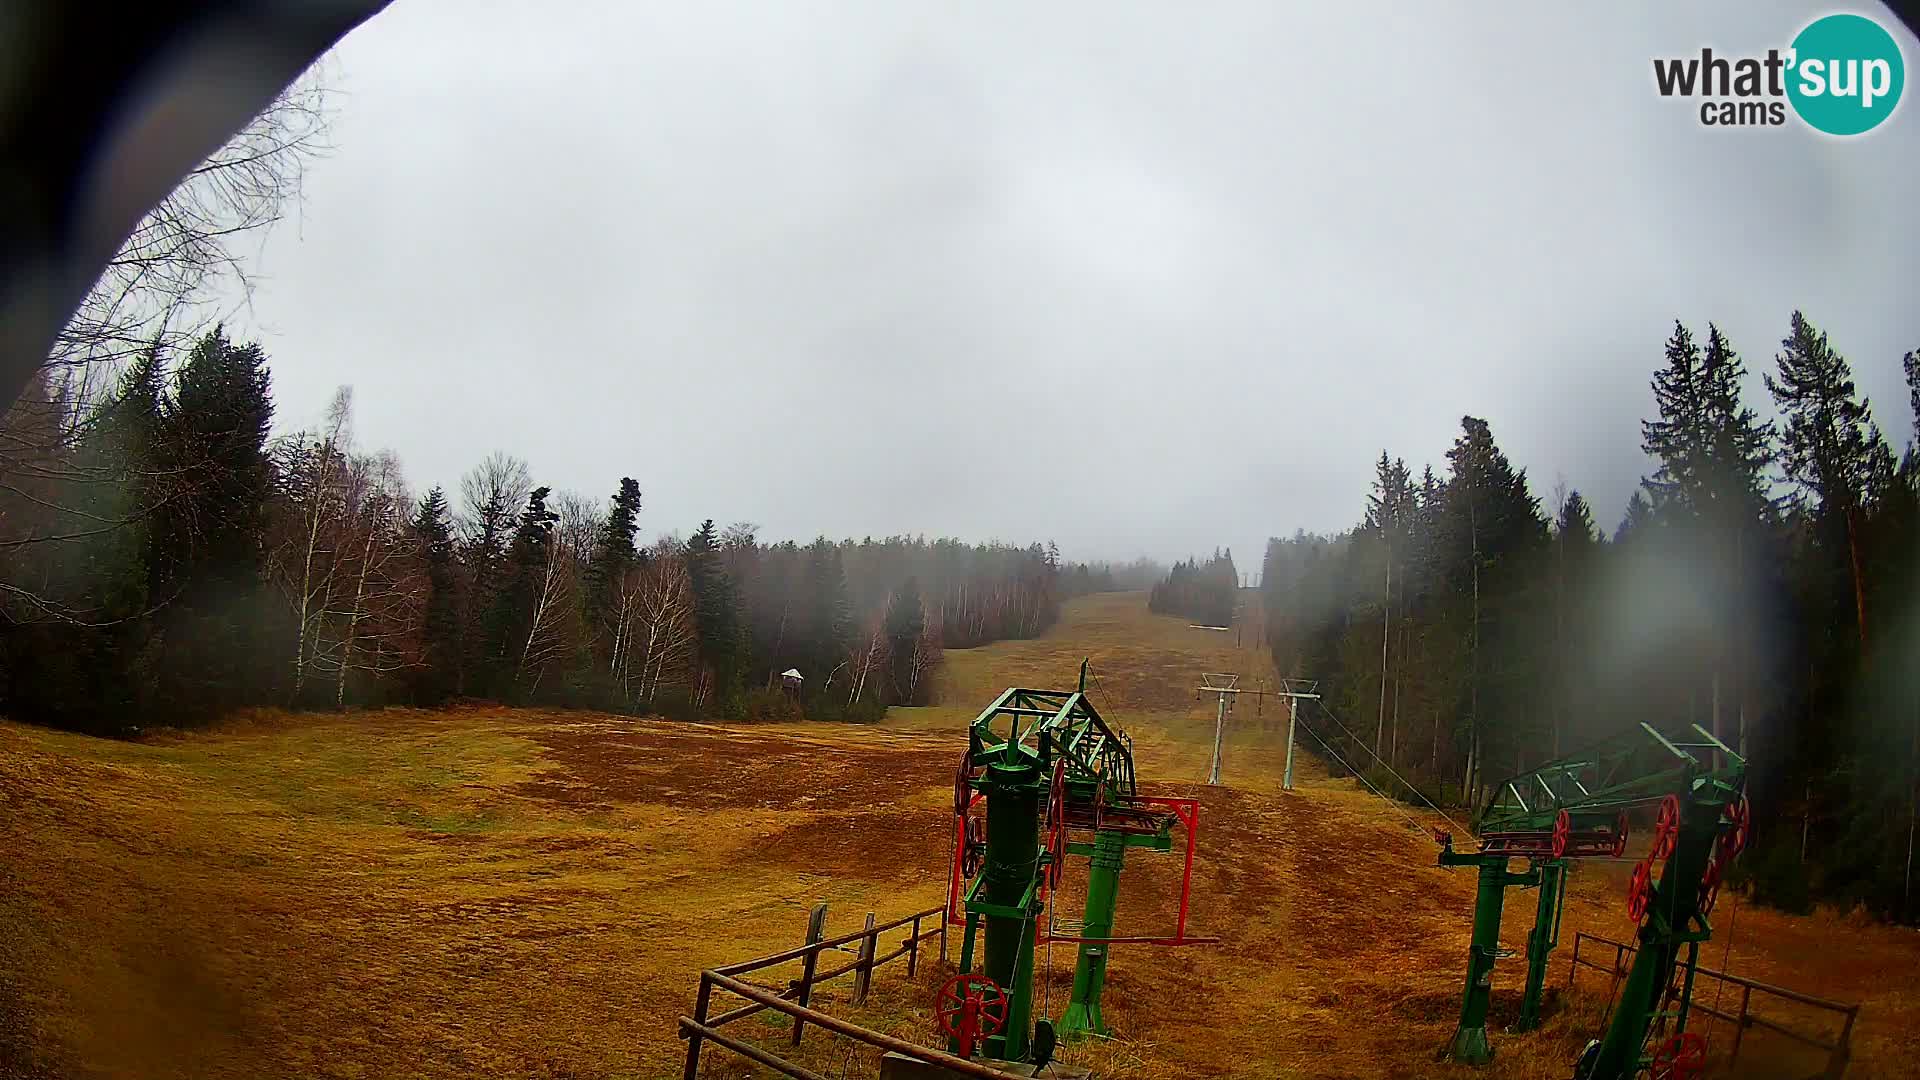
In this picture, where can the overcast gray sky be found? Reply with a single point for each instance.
(1138, 277)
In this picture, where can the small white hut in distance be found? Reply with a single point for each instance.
(790, 680)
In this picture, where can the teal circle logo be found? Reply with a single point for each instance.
(1846, 74)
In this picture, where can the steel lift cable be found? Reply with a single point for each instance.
(1726, 957)
(1362, 777)
(1403, 780)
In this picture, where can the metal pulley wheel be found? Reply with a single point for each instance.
(1640, 891)
(1666, 828)
(968, 1008)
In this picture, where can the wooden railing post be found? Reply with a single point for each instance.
(816, 933)
(863, 975)
(913, 948)
(1740, 1025)
(699, 1017)
(1843, 1050)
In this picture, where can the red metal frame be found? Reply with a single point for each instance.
(1185, 811)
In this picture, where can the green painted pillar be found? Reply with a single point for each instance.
(1541, 942)
(1013, 853)
(1469, 1044)
(1674, 905)
(1090, 973)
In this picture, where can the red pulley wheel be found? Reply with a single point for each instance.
(1740, 819)
(1710, 885)
(1057, 824)
(1562, 832)
(1056, 859)
(968, 1008)
(1639, 891)
(1620, 835)
(1666, 827)
(1682, 1057)
(974, 850)
(963, 785)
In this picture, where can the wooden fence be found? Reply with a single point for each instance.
(702, 1027)
(1839, 1048)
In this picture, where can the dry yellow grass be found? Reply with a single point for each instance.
(512, 893)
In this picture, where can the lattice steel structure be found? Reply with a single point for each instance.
(1578, 807)
(1042, 765)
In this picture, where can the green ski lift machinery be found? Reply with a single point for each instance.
(1578, 807)
(1042, 767)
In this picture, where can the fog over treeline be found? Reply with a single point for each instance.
(1764, 583)
(171, 560)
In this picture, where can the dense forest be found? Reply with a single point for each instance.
(166, 559)
(1762, 584)
(1202, 592)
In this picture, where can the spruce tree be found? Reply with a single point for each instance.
(1494, 532)
(1911, 365)
(828, 627)
(1711, 490)
(1738, 447)
(206, 543)
(1677, 438)
(717, 614)
(440, 621)
(1829, 447)
(613, 550)
(610, 561)
(512, 622)
(1575, 545)
(1637, 520)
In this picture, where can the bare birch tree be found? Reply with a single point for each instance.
(579, 521)
(869, 654)
(304, 561)
(927, 655)
(374, 619)
(664, 635)
(549, 622)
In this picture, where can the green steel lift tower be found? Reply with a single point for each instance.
(1578, 807)
(1044, 765)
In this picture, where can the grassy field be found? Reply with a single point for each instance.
(514, 893)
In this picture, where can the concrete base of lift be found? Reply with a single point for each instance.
(902, 1067)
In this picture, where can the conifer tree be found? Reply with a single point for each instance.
(829, 622)
(207, 542)
(440, 629)
(716, 613)
(1829, 447)
(493, 493)
(608, 582)
(1677, 438)
(517, 610)
(1494, 531)
(1575, 548)
(1635, 522)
